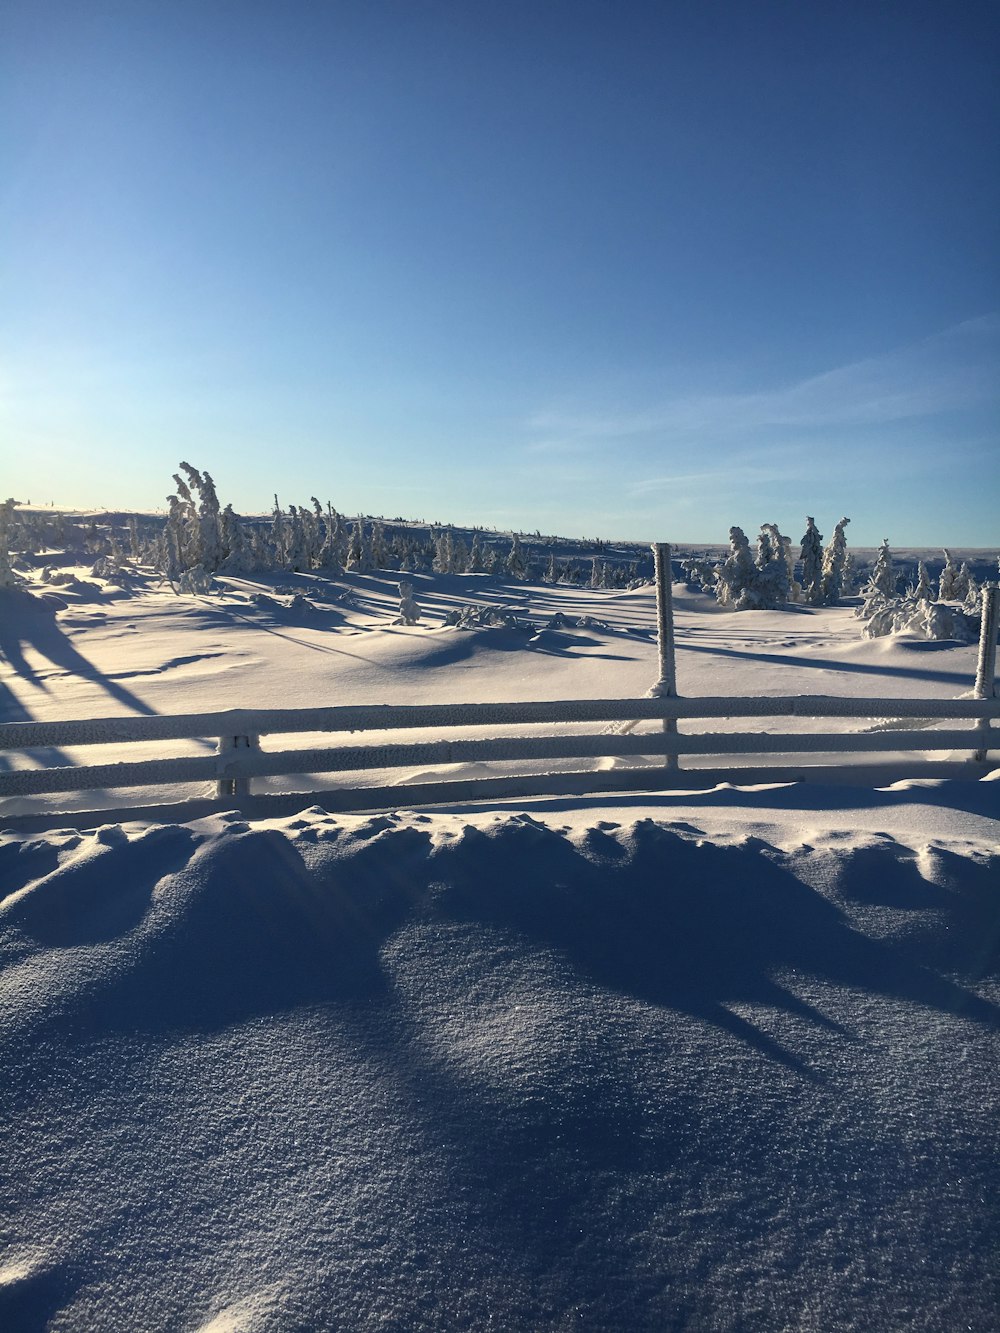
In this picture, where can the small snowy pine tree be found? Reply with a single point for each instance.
(883, 578)
(923, 591)
(946, 583)
(811, 555)
(515, 564)
(735, 576)
(835, 564)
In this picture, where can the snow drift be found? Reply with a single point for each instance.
(512, 1071)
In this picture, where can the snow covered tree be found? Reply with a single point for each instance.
(380, 556)
(835, 564)
(770, 584)
(923, 591)
(359, 556)
(962, 582)
(237, 558)
(206, 545)
(459, 555)
(735, 576)
(332, 554)
(279, 536)
(444, 560)
(409, 611)
(515, 564)
(261, 550)
(946, 583)
(973, 595)
(296, 541)
(883, 577)
(7, 576)
(811, 555)
(476, 565)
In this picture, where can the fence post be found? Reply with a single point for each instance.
(228, 745)
(666, 686)
(986, 666)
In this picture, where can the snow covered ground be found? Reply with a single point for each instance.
(720, 1059)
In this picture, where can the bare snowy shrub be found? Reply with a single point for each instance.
(923, 620)
(197, 581)
(487, 617)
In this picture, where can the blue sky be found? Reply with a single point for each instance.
(633, 270)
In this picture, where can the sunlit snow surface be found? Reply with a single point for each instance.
(717, 1061)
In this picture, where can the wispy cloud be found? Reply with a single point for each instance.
(948, 372)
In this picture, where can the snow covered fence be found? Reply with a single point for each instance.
(239, 759)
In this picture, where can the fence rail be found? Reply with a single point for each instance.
(238, 758)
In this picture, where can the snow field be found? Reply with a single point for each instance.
(705, 1060)
(515, 1070)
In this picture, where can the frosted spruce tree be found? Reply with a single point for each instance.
(238, 557)
(296, 541)
(476, 565)
(835, 564)
(8, 578)
(883, 577)
(380, 555)
(811, 555)
(359, 555)
(923, 592)
(736, 575)
(770, 585)
(279, 536)
(946, 583)
(515, 564)
(444, 554)
(962, 582)
(332, 554)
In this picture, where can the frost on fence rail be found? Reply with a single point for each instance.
(235, 764)
(403, 717)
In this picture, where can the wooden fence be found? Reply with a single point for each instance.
(238, 759)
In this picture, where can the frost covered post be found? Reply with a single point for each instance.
(231, 747)
(666, 686)
(987, 664)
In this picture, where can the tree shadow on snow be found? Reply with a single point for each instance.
(35, 627)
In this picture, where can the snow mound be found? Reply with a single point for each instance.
(440, 1071)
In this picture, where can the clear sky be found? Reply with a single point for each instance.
(609, 269)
